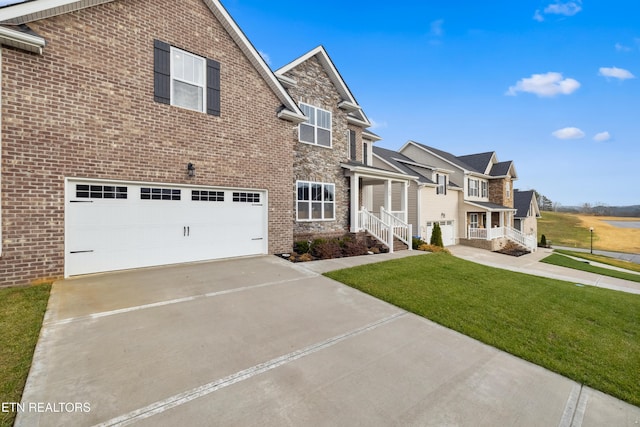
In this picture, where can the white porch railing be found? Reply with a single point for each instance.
(497, 232)
(401, 229)
(376, 227)
(401, 215)
(528, 242)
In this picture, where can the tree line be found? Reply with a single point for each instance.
(596, 209)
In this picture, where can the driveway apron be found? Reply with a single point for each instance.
(260, 341)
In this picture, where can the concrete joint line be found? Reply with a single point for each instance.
(206, 389)
(163, 303)
(575, 408)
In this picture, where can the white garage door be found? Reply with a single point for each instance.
(114, 226)
(448, 232)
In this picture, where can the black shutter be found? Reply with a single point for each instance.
(213, 87)
(365, 153)
(437, 183)
(161, 72)
(352, 144)
(445, 185)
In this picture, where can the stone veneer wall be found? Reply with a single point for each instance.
(322, 164)
(497, 193)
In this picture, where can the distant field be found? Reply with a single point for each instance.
(572, 230)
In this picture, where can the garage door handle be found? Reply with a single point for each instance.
(184, 231)
(188, 231)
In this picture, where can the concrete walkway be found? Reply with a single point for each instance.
(263, 342)
(619, 255)
(531, 264)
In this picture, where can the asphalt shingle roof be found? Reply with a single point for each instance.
(478, 162)
(392, 157)
(501, 169)
(522, 202)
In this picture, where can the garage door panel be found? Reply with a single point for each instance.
(448, 232)
(136, 230)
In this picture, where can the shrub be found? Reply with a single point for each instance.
(543, 241)
(326, 249)
(305, 257)
(416, 242)
(436, 236)
(351, 247)
(302, 247)
(433, 248)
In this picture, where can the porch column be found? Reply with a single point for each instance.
(355, 203)
(501, 219)
(404, 198)
(387, 195)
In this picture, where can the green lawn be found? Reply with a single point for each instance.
(564, 230)
(589, 334)
(21, 313)
(564, 261)
(602, 259)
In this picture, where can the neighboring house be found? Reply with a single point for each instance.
(528, 212)
(140, 133)
(433, 197)
(485, 208)
(333, 172)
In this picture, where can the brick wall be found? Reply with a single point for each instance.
(321, 164)
(85, 109)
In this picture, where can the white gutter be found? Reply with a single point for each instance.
(21, 40)
(378, 173)
(355, 121)
(291, 116)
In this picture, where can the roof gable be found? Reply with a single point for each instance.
(522, 201)
(447, 157)
(28, 11)
(503, 169)
(348, 102)
(480, 162)
(393, 158)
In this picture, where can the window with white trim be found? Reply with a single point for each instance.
(473, 187)
(507, 189)
(188, 84)
(317, 129)
(365, 153)
(442, 184)
(473, 220)
(315, 201)
(484, 188)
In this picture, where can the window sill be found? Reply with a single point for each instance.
(330, 147)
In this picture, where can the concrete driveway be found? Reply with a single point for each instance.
(260, 341)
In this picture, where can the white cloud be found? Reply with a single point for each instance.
(568, 133)
(569, 8)
(549, 84)
(618, 73)
(265, 56)
(622, 48)
(602, 136)
(436, 28)
(538, 16)
(377, 125)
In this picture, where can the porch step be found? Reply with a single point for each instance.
(399, 245)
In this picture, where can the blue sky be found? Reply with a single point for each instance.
(552, 85)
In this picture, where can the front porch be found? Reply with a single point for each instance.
(380, 220)
(493, 225)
